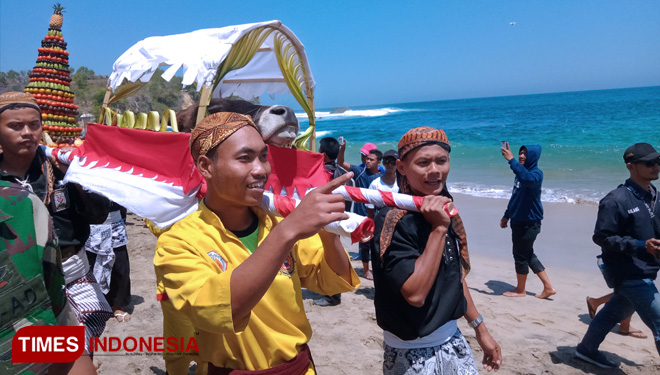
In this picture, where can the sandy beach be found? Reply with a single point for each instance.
(537, 336)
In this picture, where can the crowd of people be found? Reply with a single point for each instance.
(231, 275)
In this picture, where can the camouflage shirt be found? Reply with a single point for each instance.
(71, 208)
(31, 278)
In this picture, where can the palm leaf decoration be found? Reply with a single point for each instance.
(125, 90)
(297, 80)
(241, 53)
(293, 70)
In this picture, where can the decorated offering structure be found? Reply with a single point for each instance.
(241, 60)
(50, 83)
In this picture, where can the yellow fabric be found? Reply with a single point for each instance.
(177, 325)
(199, 288)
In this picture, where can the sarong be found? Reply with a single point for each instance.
(85, 296)
(103, 238)
(454, 357)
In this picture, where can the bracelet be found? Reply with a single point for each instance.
(475, 323)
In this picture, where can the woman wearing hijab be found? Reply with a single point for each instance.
(419, 266)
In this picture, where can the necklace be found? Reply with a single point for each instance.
(25, 183)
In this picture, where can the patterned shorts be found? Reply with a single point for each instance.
(451, 358)
(90, 306)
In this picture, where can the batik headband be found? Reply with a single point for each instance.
(417, 137)
(421, 136)
(214, 129)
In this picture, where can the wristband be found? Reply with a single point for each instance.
(475, 323)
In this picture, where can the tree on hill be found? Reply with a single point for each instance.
(13, 80)
(90, 88)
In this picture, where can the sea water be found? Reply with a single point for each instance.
(583, 135)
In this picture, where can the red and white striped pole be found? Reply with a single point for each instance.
(387, 199)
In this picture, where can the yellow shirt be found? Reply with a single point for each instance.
(194, 262)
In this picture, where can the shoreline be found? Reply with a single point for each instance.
(536, 336)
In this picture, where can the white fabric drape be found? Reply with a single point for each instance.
(199, 53)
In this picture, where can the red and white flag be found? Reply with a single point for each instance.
(153, 175)
(150, 173)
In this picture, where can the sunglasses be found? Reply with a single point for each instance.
(650, 164)
(389, 161)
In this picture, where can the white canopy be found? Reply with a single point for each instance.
(200, 53)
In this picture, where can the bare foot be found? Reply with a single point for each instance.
(514, 293)
(633, 332)
(546, 293)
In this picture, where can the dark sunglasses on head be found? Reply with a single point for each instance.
(389, 161)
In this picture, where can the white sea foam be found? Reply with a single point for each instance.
(350, 113)
(547, 195)
(322, 133)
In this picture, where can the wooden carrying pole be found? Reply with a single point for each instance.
(204, 101)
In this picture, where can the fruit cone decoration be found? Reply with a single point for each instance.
(50, 83)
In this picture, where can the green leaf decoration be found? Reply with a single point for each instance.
(297, 80)
(241, 53)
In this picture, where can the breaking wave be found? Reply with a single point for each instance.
(353, 113)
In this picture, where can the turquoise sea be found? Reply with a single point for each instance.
(583, 135)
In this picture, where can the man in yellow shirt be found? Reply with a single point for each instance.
(237, 272)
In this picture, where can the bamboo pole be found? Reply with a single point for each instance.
(204, 101)
(108, 94)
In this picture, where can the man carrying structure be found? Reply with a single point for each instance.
(72, 209)
(525, 212)
(628, 232)
(236, 271)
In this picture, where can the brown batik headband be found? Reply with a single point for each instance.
(417, 137)
(420, 136)
(214, 129)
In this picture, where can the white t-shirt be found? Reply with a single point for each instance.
(378, 184)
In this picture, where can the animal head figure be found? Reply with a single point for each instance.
(278, 124)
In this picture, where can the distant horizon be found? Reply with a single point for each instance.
(268, 101)
(484, 97)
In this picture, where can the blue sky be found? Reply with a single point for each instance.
(383, 52)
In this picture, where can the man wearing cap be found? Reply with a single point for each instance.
(364, 152)
(71, 208)
(236, 271)
(364, 173)
(364, 176)
(386, 182)
(628, 232)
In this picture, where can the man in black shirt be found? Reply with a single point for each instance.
(628, 232)
(71, 208)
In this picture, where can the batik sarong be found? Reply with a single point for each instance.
(454, 357)
(85, 296)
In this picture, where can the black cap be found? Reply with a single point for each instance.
(391, 154)
(640, 152)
